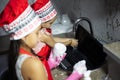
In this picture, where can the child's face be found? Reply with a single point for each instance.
(48, 23)
(32, 39)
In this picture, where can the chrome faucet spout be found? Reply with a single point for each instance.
(77, 22)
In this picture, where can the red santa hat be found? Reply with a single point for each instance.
(44, 9)
(19, 19)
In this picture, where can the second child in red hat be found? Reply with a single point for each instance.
(48, 14)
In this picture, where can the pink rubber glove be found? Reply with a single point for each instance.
(57, 55)
(78, 70)
(87, 75)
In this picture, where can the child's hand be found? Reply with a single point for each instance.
(67, 41)
(57, 55)
(46, 39)
(74, 42)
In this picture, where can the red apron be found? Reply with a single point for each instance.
(43, 55)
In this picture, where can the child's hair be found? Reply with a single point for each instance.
(12, 58)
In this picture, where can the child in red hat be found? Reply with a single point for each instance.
(21, 22)
(24, 27)
(47, 13)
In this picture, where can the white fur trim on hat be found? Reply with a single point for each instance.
(27, 22)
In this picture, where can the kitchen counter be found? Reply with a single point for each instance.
(113, 50)
(113, 59)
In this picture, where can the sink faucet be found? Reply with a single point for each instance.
(77, 22)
